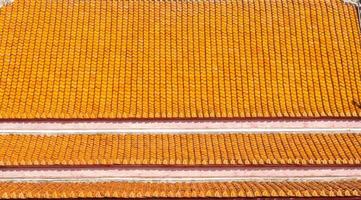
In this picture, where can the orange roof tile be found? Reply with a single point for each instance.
(179, 59)
(11, 190)
(181, 149)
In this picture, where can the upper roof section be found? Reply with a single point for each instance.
(179, 59)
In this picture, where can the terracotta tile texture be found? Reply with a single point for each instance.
(181, 150)
(9, 190)
(179, 59)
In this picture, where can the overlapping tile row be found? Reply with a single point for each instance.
(181, 149)
(9, 190)
(179, 59)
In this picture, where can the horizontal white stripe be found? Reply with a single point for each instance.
(155, 173)
(185, 131)
(175, 180)
(179, 126)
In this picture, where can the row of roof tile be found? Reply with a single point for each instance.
(181, 149)
(9, 190)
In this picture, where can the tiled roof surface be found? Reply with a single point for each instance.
(179, 59)
(184, 149)
(158, 190)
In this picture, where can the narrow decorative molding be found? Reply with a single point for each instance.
(178, 174)
(54, 127)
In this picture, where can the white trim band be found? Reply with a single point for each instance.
(177, 180)
(185, 131)
(175, 173)
(180, 126)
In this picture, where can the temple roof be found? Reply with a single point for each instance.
(114, 61)
(179, 59)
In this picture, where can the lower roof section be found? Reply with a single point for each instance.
(10, 190)
(228, 149)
